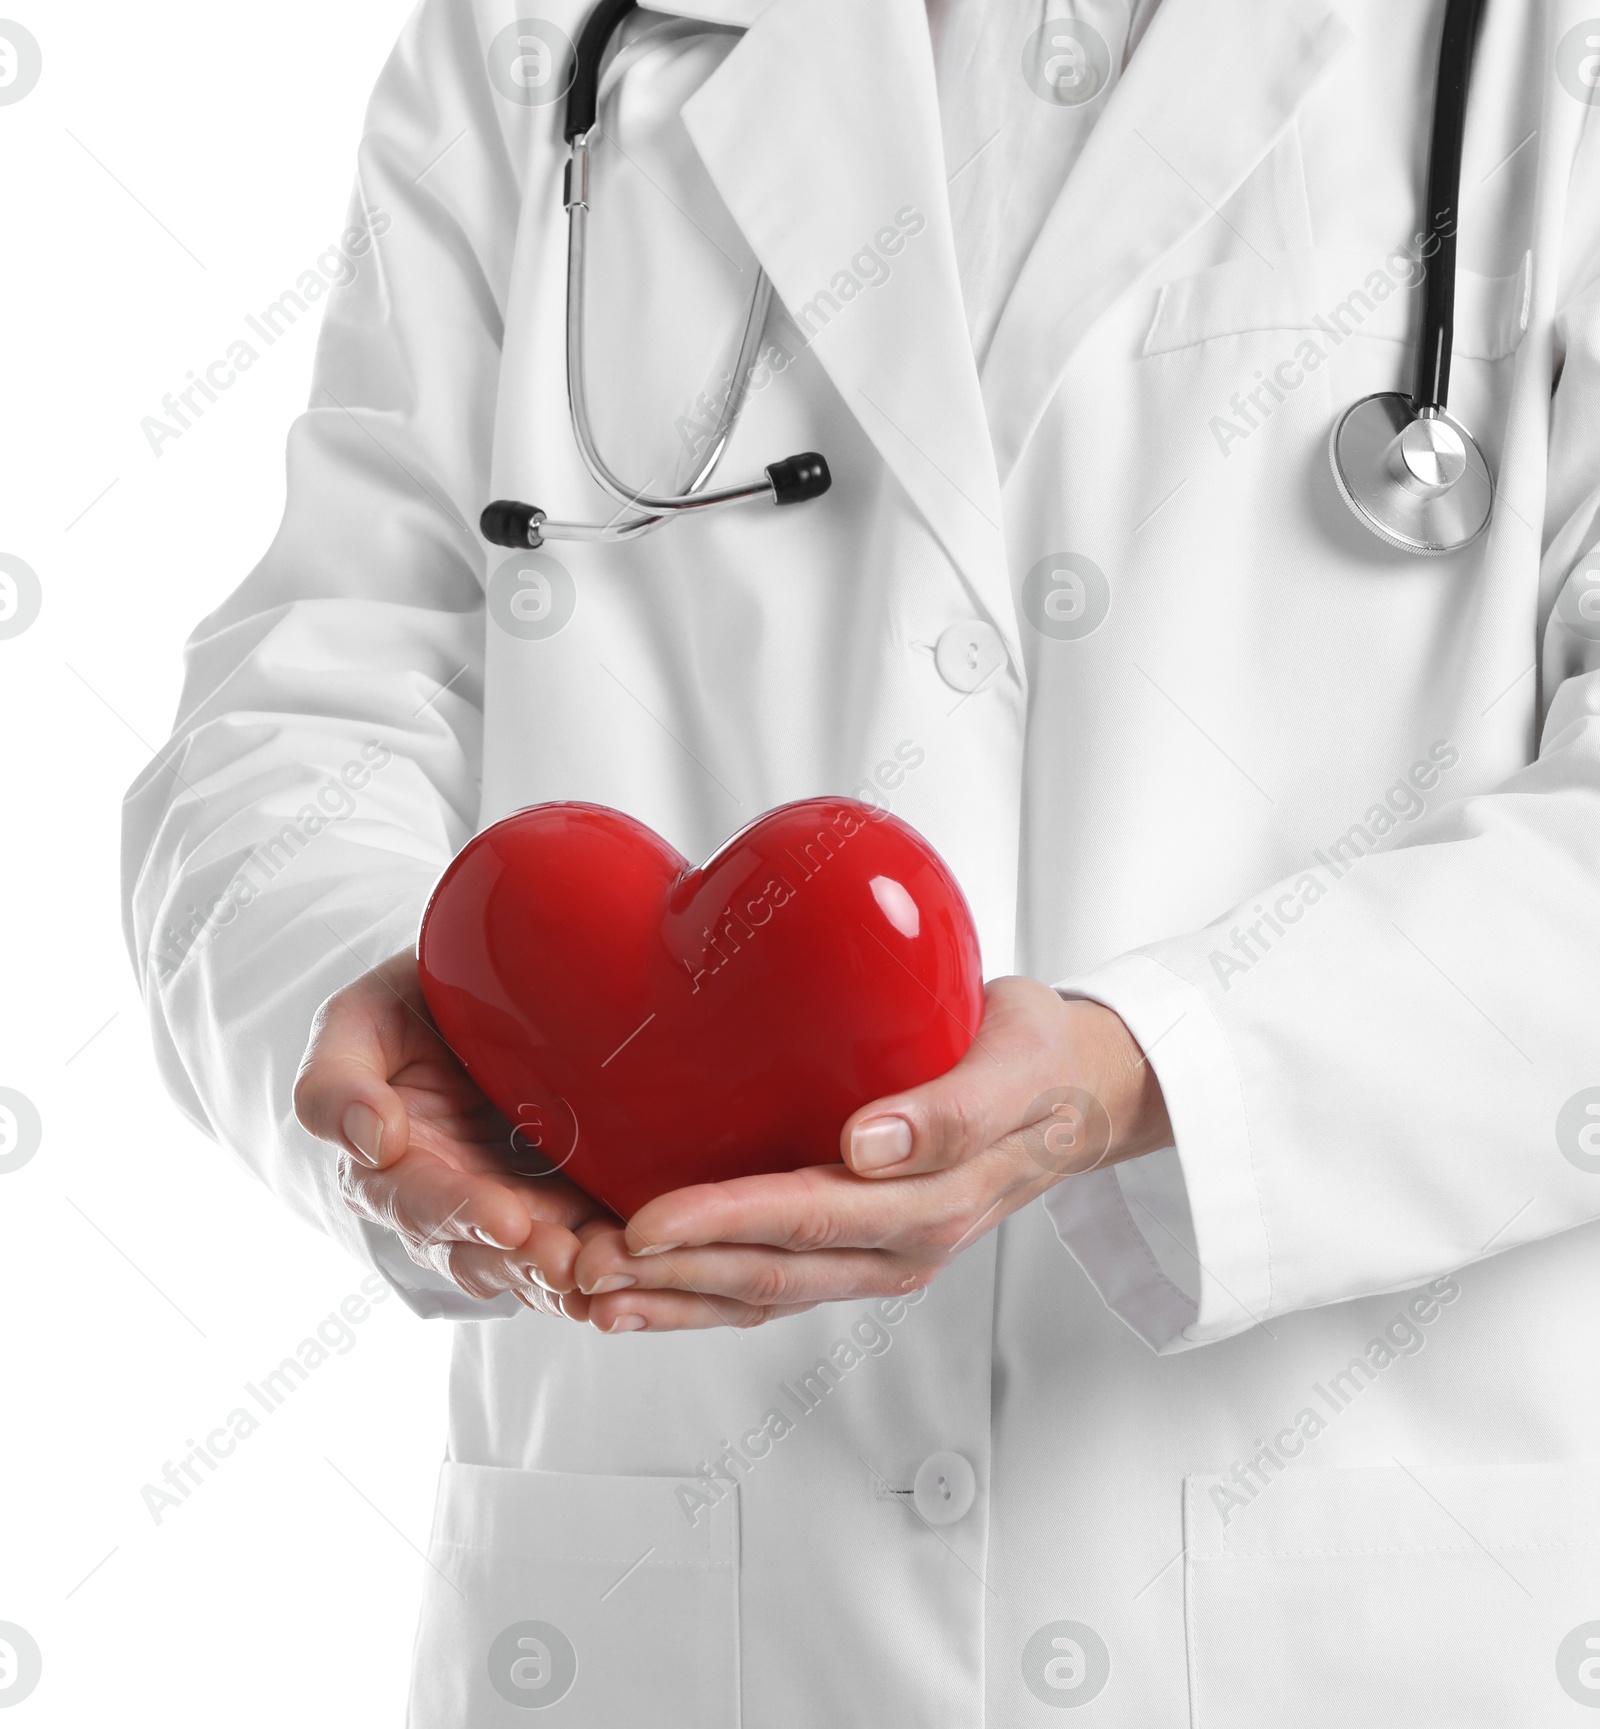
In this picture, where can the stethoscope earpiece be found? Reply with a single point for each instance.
(509, 522)
(798, 478)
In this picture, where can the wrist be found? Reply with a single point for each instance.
(1105, 1060)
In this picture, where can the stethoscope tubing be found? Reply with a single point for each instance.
(1431, 383)
(1365, 477)
(694, 497)
(508, 522)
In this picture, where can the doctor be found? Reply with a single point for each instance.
(1282, 1405)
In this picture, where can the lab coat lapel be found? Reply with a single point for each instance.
(1207, 91)
(820, 130)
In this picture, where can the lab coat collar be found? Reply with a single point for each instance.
(821, 133)
(1209, 88)
(822, 126)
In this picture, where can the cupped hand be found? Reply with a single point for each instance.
(1049, 1089)
(423, 1152)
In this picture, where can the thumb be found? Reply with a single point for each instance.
(1019, 1052)
(342, 1092)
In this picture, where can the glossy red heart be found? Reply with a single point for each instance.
(646, 1025)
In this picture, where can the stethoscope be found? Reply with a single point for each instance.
(1409, 470)
(1412, 473)
(796, 478)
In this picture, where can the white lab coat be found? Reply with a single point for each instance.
(1211, 1416)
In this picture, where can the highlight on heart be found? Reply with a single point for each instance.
(644, 1024)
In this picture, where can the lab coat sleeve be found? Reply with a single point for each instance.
(1395, 1088)
(325, 763)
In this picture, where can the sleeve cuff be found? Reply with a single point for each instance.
(1176, 1243)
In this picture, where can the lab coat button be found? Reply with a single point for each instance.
(944, 1488)
(969, 655)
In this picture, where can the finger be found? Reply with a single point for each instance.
(480, 1272)
(425, 1201)
(678, 1312)
(767, 1278)
(359, 1037)
(549, 1256)
(819, 1207)
(488, 1273)
(551, 1253)
(603, 1256)
(559, 1306)
(1020, 1051)
(546, 1259)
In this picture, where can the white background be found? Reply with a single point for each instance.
(177, 167)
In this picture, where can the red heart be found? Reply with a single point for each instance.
(647, 1025)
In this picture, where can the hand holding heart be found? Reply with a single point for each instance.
(1048, 1088)
(646, 1024)
(422, 1150)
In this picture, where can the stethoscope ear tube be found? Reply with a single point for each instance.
(510, 522)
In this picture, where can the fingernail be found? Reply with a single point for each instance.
(880, 1142)
(363, 1129)
(488, 1237)
(656, 1249)
(611, 1282)
(626, 1324)
(535, 1277)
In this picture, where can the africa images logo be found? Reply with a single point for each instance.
(336, 267)
(1403, 268)
(20, 61)
(869, 267)
(1403, 802)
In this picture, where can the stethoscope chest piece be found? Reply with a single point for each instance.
(1417, 480)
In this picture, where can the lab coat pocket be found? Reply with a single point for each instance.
(1427, 1597)
(1292, 340)
(1330, 295)
(591, 1599)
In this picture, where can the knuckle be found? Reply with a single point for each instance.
(356, 1191)
(1034, 1037)
(457, 1265)
(419, 1254)
(422, 1246)
(746, 1317)
(811, 1232)
(308, 1097)
(960, 1129)
(909, 1276)
(352, 1191)
(938, 1234)
(768, 1284)
(385, 1209)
